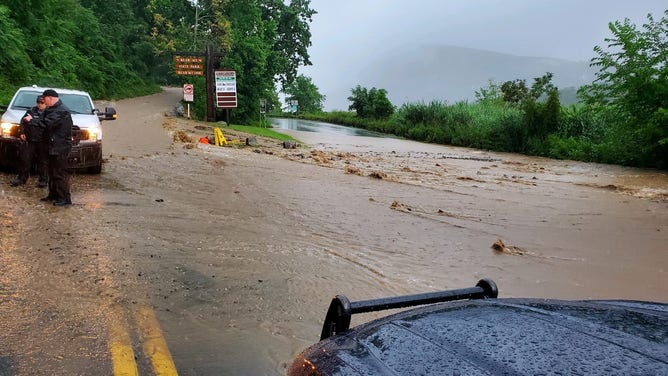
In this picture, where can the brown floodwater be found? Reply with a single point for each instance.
(239, 250)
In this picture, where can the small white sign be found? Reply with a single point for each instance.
(188, 92)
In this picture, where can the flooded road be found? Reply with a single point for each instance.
(320, 127)
(238, 251)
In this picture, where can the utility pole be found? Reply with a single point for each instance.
(210, 84)
(212, 58)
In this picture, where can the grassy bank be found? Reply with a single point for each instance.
(583, 133)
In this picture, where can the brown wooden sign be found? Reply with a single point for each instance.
(188, 65)
(189, 73)
(188, 59)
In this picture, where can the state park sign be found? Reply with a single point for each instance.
(188, 66)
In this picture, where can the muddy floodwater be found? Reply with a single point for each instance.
(239, 250)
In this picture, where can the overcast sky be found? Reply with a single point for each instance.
(346, 32)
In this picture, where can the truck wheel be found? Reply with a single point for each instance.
(95, 169)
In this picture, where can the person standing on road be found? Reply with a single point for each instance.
(57, 120)
(32, 147)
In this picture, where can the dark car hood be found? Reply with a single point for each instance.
(501, 337)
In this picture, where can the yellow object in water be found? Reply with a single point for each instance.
(219, 138)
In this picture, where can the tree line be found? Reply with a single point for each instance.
(126, 48)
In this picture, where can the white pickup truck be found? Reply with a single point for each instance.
(86, 151)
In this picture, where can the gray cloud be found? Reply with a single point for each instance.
(347, 34)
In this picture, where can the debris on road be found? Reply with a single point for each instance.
(501, 247)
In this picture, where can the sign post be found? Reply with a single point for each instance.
(263, 110)
(263, 106)
(200, 64)
(188, 95)
(294, 104)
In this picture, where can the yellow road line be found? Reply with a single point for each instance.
(120, 346)
(154, 344)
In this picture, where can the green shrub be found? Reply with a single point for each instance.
(568, 148)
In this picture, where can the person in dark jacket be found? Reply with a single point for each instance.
(32, 147)
(57, 120)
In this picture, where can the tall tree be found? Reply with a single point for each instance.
(371, 103)
(292, 36)
(633, 83)
(517, 91)
(248, 56)
(268, 43)
(67, 47)
(15, 62)
(127, 30)
(490, 94)
(304, 91)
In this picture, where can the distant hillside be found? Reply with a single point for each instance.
(448, 73)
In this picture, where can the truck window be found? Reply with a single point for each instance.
(78, 104)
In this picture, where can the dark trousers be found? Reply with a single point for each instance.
(59, 178)
(30, 153)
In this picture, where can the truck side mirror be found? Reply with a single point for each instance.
(108, 114)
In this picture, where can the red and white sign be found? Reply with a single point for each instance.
(226, 88)
(188, 92)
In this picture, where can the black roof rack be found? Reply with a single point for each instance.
(341, 309)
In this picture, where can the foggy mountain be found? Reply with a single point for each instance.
(445, 73)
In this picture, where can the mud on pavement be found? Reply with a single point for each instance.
(238, 250)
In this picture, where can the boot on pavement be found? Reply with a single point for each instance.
(16, 182)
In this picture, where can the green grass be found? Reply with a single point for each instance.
(262, 132)
(584, 133)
